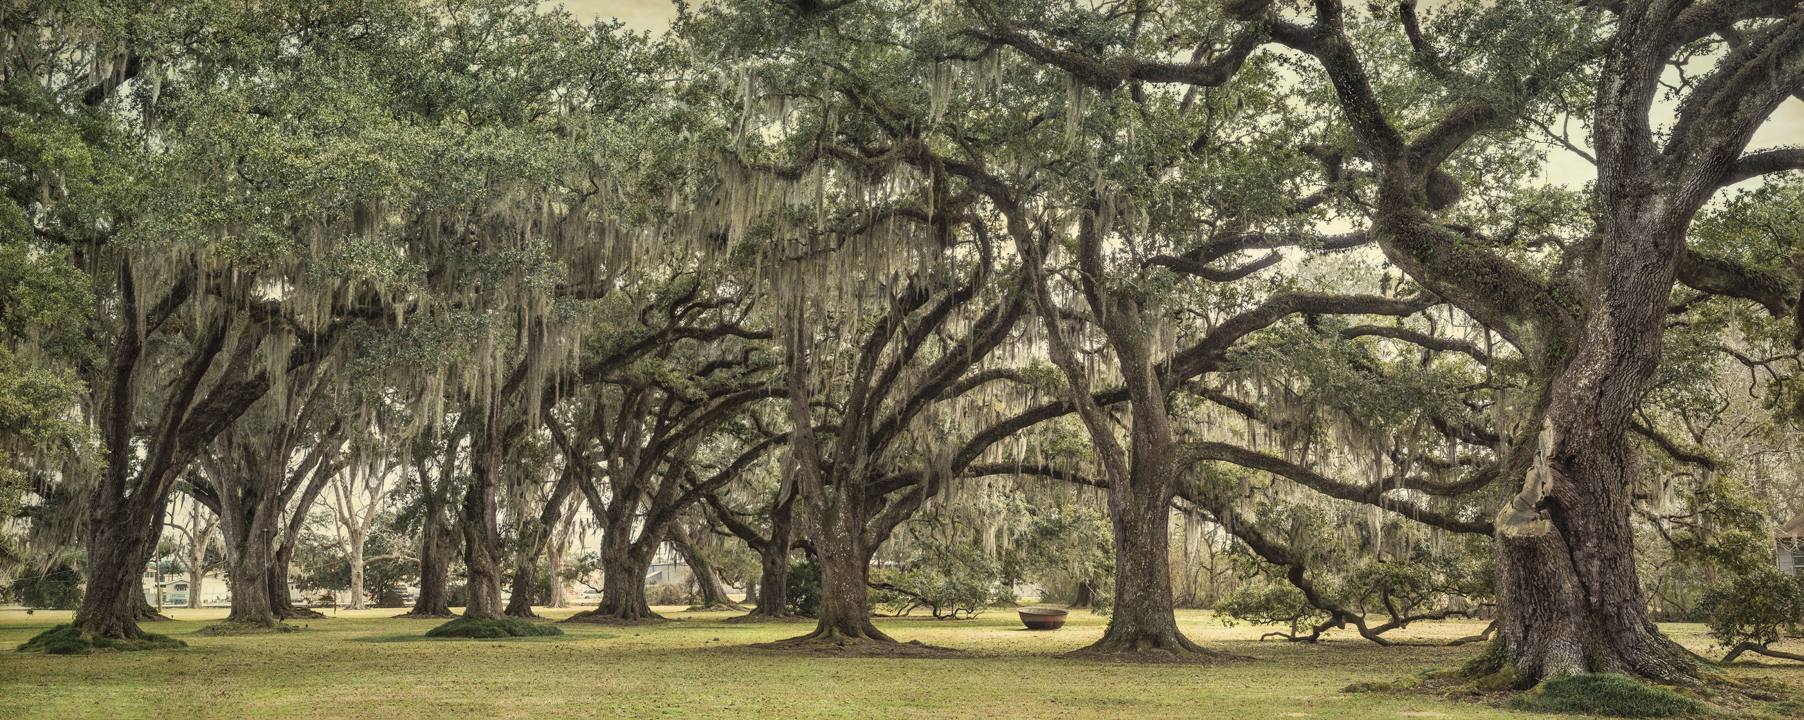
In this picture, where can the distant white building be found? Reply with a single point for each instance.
(1789, 545)
(213, 590)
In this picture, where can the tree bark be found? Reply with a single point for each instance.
(711, 592)
(554, 556)
(624, 566)
(354, 555)
(482, 544)
(1082, 596)
(1571, 597)
(114, 592)
(435, 567)
(1142, 618)
(773, 563)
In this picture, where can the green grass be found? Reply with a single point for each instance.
(363, 664)
(1608, 695)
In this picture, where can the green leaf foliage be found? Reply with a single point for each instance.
(1758, 606)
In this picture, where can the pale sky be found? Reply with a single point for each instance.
(653, 15)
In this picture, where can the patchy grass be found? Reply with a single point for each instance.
(226, 629)
(490, 629)
(364, 664)
(1608, 695)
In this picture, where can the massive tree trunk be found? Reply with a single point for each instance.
(114, 592)
(710, 592)
(838, 514)
(1142, 618)
(773, 563)
(624, 565)
(845, 576)
(435, 567)
(1571, 598)
(482, 541)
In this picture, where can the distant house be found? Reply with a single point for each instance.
(1789, 545)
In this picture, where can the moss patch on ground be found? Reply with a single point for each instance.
(66, 640)
(1608, 695)
(489, 629)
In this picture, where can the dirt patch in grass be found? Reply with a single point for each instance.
(861, 649)
(229, 629)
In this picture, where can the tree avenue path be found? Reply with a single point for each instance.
(365, 664)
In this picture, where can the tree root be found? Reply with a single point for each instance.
(1759, 649)
(1481, 637)
(297, 613)
(423, 616)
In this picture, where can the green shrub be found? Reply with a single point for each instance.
(1608, 695)
(803, 589)
(472, 628)
(1756, 607)
(66, 640)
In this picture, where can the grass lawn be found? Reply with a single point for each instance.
(364, 664)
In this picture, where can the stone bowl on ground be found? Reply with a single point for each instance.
(1042, 618)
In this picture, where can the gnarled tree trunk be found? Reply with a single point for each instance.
(436, 542)
(710, 591)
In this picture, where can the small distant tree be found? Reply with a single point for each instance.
(1755, 610)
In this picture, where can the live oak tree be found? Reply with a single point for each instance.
(1591, 329)
(182, 259)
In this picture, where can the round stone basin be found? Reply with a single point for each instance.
(1042, 618)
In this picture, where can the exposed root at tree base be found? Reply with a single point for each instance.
(424, 616)
(847, 647)
(593, 617)
(719, 607)
(300, 614)
(155, 617)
